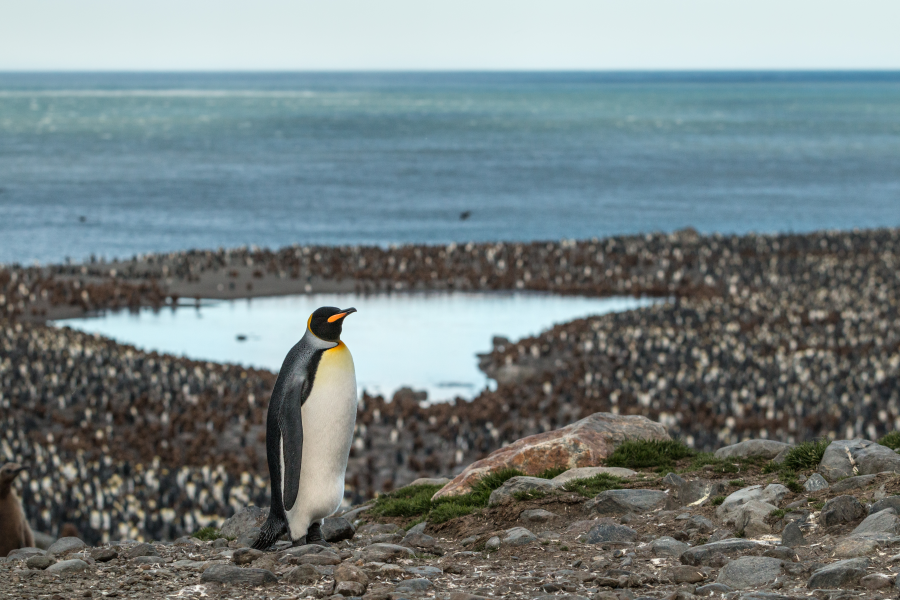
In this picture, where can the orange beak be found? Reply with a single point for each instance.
(341, 315)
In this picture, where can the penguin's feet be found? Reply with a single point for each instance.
(300, 542)
(314, 536)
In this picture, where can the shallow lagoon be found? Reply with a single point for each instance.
(427, 341)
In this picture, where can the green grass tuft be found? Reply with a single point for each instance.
(552, 472)
(891, 440)
(777, 513)
(645, 454)
(530, 495)
(411, 501)
(716, 501)
(591, 486)
(207, 534)
(805, 456)
(736, 483)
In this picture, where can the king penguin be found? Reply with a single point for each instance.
(309, 429)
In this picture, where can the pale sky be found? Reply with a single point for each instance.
(448, 34)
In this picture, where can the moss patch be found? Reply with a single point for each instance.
(891, 440)
(648, 454)
(805, 456)
(207, 534)
(591, 486)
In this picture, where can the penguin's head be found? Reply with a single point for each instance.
(9, 471)
(326, 322)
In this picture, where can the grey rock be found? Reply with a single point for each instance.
(752, 448)
(337, 529)
(843, 509)
(245, 556)
(43, 540)
(815, 483)
(515, 485)
(610, 533)
(772, 494)
(792, 535)
(250, 517)
(229, 574)
(414, 585)
(712, 588)
(248, 538)
(846, 458)
(853, 548)
(781, 552)
(150, 559)
(352, 589)
(378, 528)
(889, 502)
(39, 562)
(306, 549)
(190, 565)
(586, 472)
(417, 528)
(686, 574)
(424, 571)
(419, 540)
(876, 581)
(702, 524)
(691, 493)
(700, 555)
(430, 481)
(385, 553)
(354, 512)
(492, 544)
(537, 515)
(852, 483)
(620, 502)
(843, 573)
(322, 559)
(882, 522)
(24, 553)
(667, 546)
(749, 572)
(66, 545)
(302, 575)
(142, 549)
(73, 565)
(751, 518)
(518, 536)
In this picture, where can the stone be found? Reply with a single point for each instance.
(492, 544)
(66, 545)
(249, 517)
(843, 509)
(712, 588)
(518, 536)
(537, 515)
(306, 549)
(889, 502)
(42, 540)
(701, 524)
(142, 549)
(852, 548)
(620, 502)
(667, 546)
(792, 535)
(385, 553)
(772, 494)
(417, 528)
(606, 532)
(420, 541)
(815, 483)
(876, 581)
(695, 492)
(843, 573)
(751, 518)
(430, 481)
(586, 472)
(64, 567)
(150, 559)
(414, 585)
(846, 458)
(424, 571)
(247, 539)
(353, 513)
(302, 575)
(337, 529)
(686, 574)
(230, 574)
(753, 448)
(517, 485)
(466, 596)
(585, 443)
(245, 556)
(378, 528)
(749, 572)
(852, 483)
(39, 562)
(884, 522)
(349, 588)
(24, 553)
(701, 555)
(781, 552)
(321, 559)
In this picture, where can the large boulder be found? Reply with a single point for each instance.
(249, 517)
(730, 548)
(752, 448)
(842, 509)
(620, 502)
(585, 443)
(750, 572)
(751, 518)
(843, 573)
(691, 493)
(883, 524)
(585, 472)
(773, 494)
(846, 458)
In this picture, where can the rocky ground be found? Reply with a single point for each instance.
(789, 337)
(831, 532)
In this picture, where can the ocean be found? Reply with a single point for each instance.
(113, 164)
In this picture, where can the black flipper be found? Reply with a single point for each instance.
(291, 425)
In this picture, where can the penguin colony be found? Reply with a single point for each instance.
(789, 337)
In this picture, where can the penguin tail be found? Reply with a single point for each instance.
(271, 530)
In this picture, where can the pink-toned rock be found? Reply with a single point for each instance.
(584, 443)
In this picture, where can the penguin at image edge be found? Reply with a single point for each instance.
(309, 429)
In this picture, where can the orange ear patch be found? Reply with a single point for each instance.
(334, 318)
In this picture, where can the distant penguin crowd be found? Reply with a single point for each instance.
(782, 336)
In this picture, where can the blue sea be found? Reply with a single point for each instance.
(116, 164)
